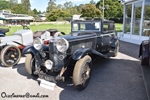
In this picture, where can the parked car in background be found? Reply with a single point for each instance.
(3, 31)
(144, 51)
(72, 55)
(11, 46)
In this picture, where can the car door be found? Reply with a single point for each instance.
(106, 36)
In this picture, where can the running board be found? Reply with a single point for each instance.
(107, 55)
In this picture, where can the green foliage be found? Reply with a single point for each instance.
(18, 9)
(90, 10)
(55, 14)
(79, 8)
(68, 7)
(51, 5)
(27, 6)
(13, 2)
(92, 2)
(114, 8)
(4, 5)
(147, 12)
(36, 12)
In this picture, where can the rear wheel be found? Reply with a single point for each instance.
(10, 55)
(82, 73)
(30, 64)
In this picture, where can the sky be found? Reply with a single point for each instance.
(42, 4)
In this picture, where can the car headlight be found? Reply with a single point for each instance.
(37, 43)
(62, 45)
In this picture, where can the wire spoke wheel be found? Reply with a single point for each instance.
(82, 73)
(85, 74)
(10, 55)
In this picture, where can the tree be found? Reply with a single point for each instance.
(51, 5)
(27, 6)
(7, 4)
(79, 8)
(13, 2)
(55, 14)
(68, 7)
(18, 9)
(4, 5)
(92, 2)
(68, 4)
(59, 6)
(114, 8)
(35, 11)
(90, 10)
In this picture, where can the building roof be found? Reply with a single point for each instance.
(5, 14)
(2, 17)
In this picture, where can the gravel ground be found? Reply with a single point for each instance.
(118, 78)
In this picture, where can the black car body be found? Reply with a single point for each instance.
(72, 55)
(144, 51)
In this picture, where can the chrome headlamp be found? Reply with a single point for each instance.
(62, 45)
(37, 43)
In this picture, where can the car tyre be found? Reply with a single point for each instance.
(30, 64)
(10, 55)
(116, 50)
(82, 73)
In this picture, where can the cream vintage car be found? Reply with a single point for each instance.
(12, 46)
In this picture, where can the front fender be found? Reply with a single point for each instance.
(114, 43)
(19, 43)
(35, 53)
(81, 52)
(29, 50)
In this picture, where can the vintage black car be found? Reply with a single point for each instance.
(71, 55)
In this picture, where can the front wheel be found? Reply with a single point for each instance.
(116, 50)
(10, 55)
(82, 73)
(30, 64)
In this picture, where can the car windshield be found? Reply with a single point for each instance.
(86, 26)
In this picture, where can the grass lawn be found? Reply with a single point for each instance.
(61, 27)
(118, 27)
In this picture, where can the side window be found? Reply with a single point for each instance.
(105, 27)
(111, 26)
(97, 26)
(82, 26)
(75, 27)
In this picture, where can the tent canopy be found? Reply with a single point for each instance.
(1, 18)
